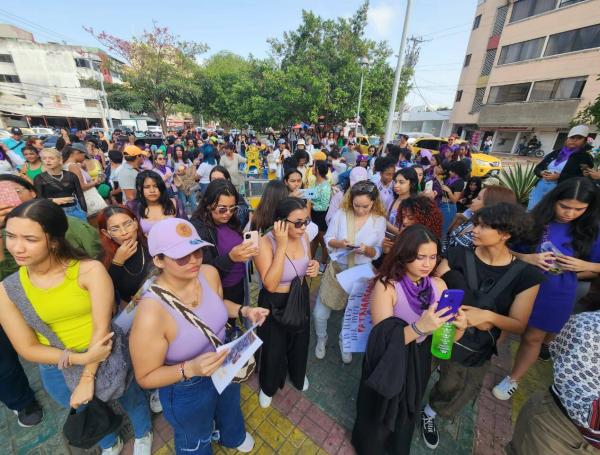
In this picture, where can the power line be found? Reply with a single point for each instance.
(40, 28)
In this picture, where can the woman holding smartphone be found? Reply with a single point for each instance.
(216, 221)
(405, 290)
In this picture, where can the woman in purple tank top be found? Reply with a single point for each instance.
(171, 354)
(285, 254)
(403, 289)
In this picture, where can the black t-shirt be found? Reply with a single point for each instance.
(457, 186)
(128, 278)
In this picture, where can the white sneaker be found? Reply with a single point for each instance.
(143, 445)
(155, 405)
(114, 450)
(247, 445)
(505, 389)
(306, 384)
(346, 356)
(264, 400)
(320, 348)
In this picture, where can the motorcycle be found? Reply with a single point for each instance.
(531, 150)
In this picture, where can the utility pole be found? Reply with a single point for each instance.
(410, 61)
(364, 63)
(392, 108)
(106, 108)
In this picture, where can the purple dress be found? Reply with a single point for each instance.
(556, 297)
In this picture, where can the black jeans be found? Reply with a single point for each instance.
(15, 392)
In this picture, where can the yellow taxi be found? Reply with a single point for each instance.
(482, 165)
(364, 142)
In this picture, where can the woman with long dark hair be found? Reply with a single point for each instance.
(403, 289)
(293, 181)
(152, 202)
(452, 189)
(566, 241)
(33, 163)
(52, 271)
(285, 256)
(263, 216)
(216, 221)
(165, 172)
(406, 184)
(318, 208)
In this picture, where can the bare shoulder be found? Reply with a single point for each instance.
(91, 266)
(150, 317)
(210, 272)
(439, 284)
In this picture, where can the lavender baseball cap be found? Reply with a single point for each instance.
(175, 238)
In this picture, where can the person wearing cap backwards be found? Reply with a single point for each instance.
(15, 142)
(572, 160)
(175, 356)
(134, 157)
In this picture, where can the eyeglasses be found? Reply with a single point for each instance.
(364, 186)
(221, 209)
(186, 259)
(299, 224)
(124, 228)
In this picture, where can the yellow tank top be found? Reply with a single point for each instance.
(93, 173)
(65, 308)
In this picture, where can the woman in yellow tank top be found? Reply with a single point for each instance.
(74, 296)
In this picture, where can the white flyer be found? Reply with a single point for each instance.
(357, 322)
(240, 350)
(125, 318)
(348, 277)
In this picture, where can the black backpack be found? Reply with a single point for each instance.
(477, 346)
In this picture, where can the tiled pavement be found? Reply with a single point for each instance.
(316, 421)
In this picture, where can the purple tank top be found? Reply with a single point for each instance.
(191, 342)
(288, 269)
(146, 225)
(402, 309)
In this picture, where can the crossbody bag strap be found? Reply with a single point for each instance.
(351, 231)
(171, 299)
(506, 279)
(471, 270)
(16, 293)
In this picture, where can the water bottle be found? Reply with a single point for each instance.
(443, 339)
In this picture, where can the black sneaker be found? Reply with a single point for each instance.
(30, 415)
(544, 353)
(429, 431)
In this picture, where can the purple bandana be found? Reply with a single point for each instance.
(420, 295)
(564, 154)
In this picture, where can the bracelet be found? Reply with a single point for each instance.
(118, 264)
(182, 369)
(417, 331)
(88, 375)
(64, 360)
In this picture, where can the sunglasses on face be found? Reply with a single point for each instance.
(299, 224)
(221, 209)
(186, 259)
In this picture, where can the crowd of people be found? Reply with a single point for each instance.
(98, 227)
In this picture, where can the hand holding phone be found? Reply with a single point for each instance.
(251, 238)
(451, 299)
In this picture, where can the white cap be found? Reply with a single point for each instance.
(579, 130)
(301, 142)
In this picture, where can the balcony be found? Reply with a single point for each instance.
(555, 113)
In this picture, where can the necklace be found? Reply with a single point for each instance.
(192, 304)
(141, 268)
(62, 174)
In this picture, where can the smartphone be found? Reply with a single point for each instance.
(8, 195)
(352, 247)
(252, 238)
(390, 235)
(451, 298)
(429, 186)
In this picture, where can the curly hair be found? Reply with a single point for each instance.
(421, 210)
(364, 188)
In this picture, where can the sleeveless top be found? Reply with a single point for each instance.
(66, 308)
(191, 342)
(93, 173)
(289, 273)
(147, 224)
(32, 173)
(403, 310)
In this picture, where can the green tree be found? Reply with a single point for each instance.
(590, 114)
(159, 74)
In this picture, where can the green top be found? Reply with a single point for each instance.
(320, 202)
(32, 173)
(80, 234)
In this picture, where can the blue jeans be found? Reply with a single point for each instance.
(76, 211)
(134, 401)
(188, 201)
(448, 213)
(197, 412)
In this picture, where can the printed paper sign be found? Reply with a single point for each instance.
(357, 323)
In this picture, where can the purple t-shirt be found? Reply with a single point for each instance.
(227, 238)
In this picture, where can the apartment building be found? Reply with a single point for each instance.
(52, 84)
(530, 66)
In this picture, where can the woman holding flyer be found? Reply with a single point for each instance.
(178, 357)
(286, 255)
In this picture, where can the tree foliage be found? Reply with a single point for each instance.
(590, 114)
(159, 70)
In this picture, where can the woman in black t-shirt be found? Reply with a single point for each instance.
(499, 295)
(452, 192)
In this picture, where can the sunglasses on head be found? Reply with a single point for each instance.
(299, 224)
(186, 259)
(221, 209)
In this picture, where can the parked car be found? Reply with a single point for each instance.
(50, 141)
(482, 165)
(155, 129)
(42, 131)
(413, 136)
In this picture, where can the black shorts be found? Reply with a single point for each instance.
(319, 219)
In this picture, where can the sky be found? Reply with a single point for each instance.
(243, 27)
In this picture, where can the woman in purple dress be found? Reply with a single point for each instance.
(566, 230)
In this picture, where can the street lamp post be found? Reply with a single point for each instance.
(364, 63)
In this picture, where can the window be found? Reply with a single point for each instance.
(6, 58)
(429, 144)
(10, 78)
(500, 20)
(568, 2)
(525, 50)
(488, 62)
(82, 63)
(476, 22)
(574, 40)
(526, 8)
(90, 103)
(458, 96)
(558, 89)
(509, 93)
(478, 100)
(467, 60)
